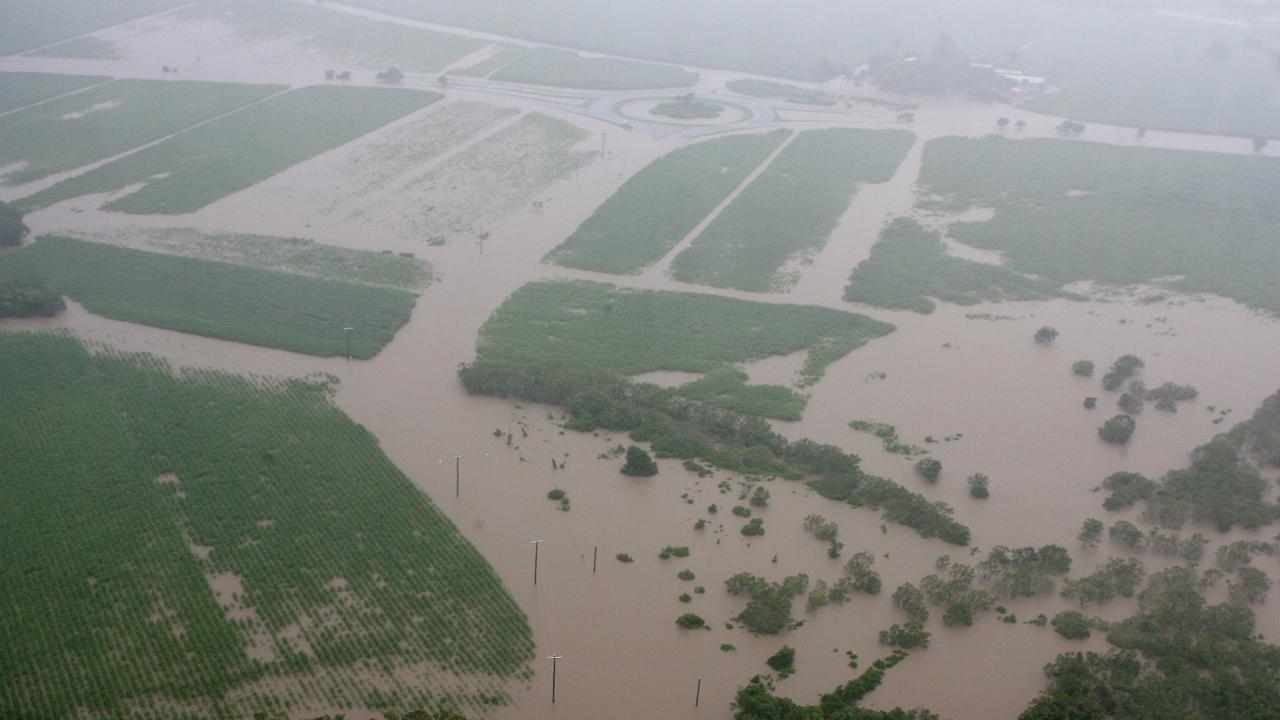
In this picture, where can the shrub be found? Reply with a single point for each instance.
(556, 494)
(929, 469)
(754, 526)
(680, 551)
(712, 509)
(783, 662)
(28, 297)
(691, 621)
(685, 598)
(639, 463)
(1071, 624)
(685, 574)
(908, 636)
(741, 511)
(624, 557)
(1117, 430)
(1046, 335)
(1083, 368)
(760, 498)
(1128, 534)
(726, 647)
(978, 486)
(1090, 403)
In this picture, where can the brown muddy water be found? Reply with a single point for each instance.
(1016, 403)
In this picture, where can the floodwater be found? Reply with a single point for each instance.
(1016, 404)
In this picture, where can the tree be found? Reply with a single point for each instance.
(783, 662)
(864, 578)
(978, 486)
(1090, 533)
(760, 498)
(1126, 489)
(1128, 534)
(1117, 430)
(1252, 588)
(929, 469)
(1021, 125)
(1259, 143)
(639, 463)
(28, 297)
(909, 598)
(443, 81)
(1083, 368)
(691, 621)
(908, 636)
(391, 75)
(1002, 123)
(1071, 624)
(329, 74)
(1046, 335)
(12, 229)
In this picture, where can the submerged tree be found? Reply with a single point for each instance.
(12, 228)
(639, 463)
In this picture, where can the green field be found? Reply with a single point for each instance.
(779, 91)
(658, 206)
(787, 213)
(28, 25)
(582, 325)
(501, 55)
(234, 152)
(20, 89)
(909, 265)
(131, 495)
(349, 40)
(107, 120)
(291, 255)
(1069, 211)
(548, 66)
(88, 47)
(243, 304)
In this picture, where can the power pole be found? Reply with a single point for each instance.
(697, 698)
(457, 476)
(554, 660)
(348, 330)
(595, 553)
(536, 543)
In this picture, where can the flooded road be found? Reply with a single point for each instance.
(957, 371)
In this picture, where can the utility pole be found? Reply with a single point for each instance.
(595, 553)
(697, 698)
(554, 659)
(536, 543)
(348, 330)
(457, 476)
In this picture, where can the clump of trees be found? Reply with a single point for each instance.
(826, 532)
(1126, 489)
(691, 621)
(906, 636)
(945, 71)
(929, 469)
(1083, 368)
(756, 701)
(1071, 128)
(954, 590)
(391, 76)
(753, 528)
(1118, 577)
(783, 662)
(1090, 533)
(1125, 367)
(1128, 534)
(1117, 430)
(13, 230)
(864, 579)
(680, 551)
(1219, 489)
(639, 463)
(760, 498)
(28, 297)
(909, 598)
(978, 486)
(1167, 396)
(1071, 624)
(768, 610)
(1025, 571)
(1046, 335)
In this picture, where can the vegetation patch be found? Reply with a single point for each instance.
(563, 68)
(345, 37)
(20, 89)
(225, 530)
(909, 265)
(658, 206)
(36, 24)
(109, 119)
(27, 297)
(206, 163)
(596, 327)
(888, 435)
(298, 256)
(1070, 211)
(243, 304)
(779, 91)
(688, 107)
(786, 214)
